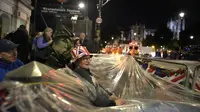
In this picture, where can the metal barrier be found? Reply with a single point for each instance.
(186, 85)
(195, 76)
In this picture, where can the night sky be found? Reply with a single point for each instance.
(150, 12)
(121, 14)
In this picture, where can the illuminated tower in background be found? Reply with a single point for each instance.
(177, 25)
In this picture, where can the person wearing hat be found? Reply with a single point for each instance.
(8, 57)
(82, 58)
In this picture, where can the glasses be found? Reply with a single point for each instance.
(86, 59)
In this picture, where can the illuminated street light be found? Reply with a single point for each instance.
(191, 37)
(182, 14)
(74, 20)
(105, 42)
(81, 5)
(112, 38)
(135, 34)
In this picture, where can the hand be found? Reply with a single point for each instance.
(120, 102)
(50, 41)
(50, 38)
(113, 97)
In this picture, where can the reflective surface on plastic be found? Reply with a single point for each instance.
(135, 82)
(185, 71)
(64, 91)
(196, 79)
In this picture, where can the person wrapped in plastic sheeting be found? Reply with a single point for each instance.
(104, 98)
(59, 90)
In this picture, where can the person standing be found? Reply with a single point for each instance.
(84, 41)
(42, 46)
(20, 36)
(33, 45)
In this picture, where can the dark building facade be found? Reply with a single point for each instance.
(53, 13)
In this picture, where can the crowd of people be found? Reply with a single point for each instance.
(116, 48)
(17, 49)
(36, 47)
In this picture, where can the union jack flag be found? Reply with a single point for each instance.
(79, 52)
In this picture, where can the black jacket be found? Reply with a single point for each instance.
(84, 42)
(21, 37)
(87, 43)
(102, 99)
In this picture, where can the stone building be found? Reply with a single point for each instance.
(137, 32)
(14, 13)
(140, 32)
(176, 26)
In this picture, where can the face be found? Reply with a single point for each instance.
(82, 36)
(78, 42)
(10, 56)
(49, 33)
(85, 62)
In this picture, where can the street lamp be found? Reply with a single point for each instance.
(182, 14)
(135, 34)
(74, 20)
(81, 5)
(112, 38)
(191, 37)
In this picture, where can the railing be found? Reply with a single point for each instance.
(195, 76)
(187, 72)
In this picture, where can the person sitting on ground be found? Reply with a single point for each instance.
(104, 98)
(8, 58)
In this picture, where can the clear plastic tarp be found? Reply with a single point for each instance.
(39, 88)
(185, 73)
